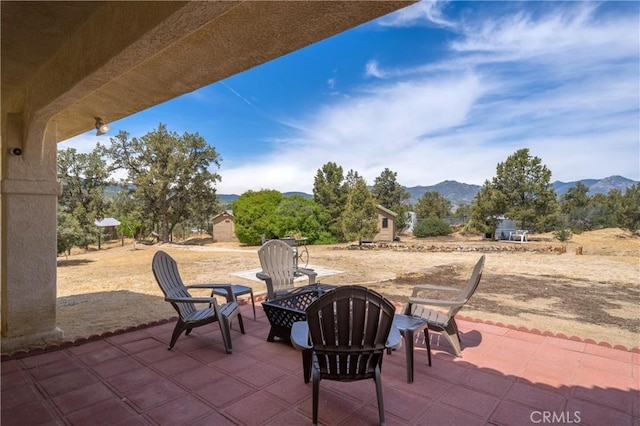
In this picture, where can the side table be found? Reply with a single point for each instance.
(238, 290)
(409, 326)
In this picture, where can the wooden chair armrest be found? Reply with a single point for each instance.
(227, 287)
(190, 299)
(309, 273)
(428, 287)
(434, 302)
(300, 335)
(262, 276)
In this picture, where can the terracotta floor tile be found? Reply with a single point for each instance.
(266, 352)
(369, 416)
(161, 330)
(116, 366)
(535, 397)
(510, 413)
(176, 365)
(138, 377)
(564, 372)
(403, 405)
(290, 389)
(290, 361)
(590, 377)
(66, 382)
(134, 335)
(198, 378)
(606, 364)
(235, 363)
(609, 353)
(596, 415)
(99, 356)
(55, 368)
(494, 384)
(182, 411)
(259, 377)
(570, 345)
(255, 409)
(82, 397)
(43, 359)
(33, 413)
(153, 393)
(109, 412)
(448, 370)
(362, 390)
(224, 391)
(525, 337)
(207, 355)
(99, 345)
(503, 377)
(215, 418)
(154, 355)
(440, 414)
(614, 398)
(142, 344)
(11, 366)
(471, 401)
(333, 408)
(246, 342)
(17, 395)
(15, 379)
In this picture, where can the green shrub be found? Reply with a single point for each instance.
(563, 235)
(431, 227)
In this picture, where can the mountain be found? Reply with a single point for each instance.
(457, 193)
(597, 186)
(230, 198)
(462, 193)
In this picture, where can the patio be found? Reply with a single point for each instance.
(507, 376)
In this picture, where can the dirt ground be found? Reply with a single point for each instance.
(541, 284)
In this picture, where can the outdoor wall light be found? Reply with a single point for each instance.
(101, 127)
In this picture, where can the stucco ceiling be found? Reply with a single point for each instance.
(67, 62)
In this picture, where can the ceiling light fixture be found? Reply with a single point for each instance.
(101, 127)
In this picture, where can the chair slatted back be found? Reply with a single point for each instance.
(166, 272)
(349, 327)
(276, 260)
(471, 287)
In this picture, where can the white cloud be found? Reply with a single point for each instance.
(372, 69)
(563, 83)
(85, 142)
(426, 11)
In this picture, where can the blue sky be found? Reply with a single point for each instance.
(436, 91)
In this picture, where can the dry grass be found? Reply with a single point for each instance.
(594, 295)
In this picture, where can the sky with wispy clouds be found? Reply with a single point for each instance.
(436, 91)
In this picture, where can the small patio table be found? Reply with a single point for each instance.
(408, 326)
(238, 290)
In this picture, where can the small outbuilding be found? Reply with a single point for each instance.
(110, 224)
(224, 229)
(386, 224)
(504, 228)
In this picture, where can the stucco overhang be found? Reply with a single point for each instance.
(68, 62)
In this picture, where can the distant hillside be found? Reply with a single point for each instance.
(457, 193)
(462, 193)
(597, 186)
(230, 198)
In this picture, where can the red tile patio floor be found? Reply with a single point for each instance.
(506, 376)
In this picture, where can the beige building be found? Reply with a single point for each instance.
(66, 64)
(386, 224)
(224, 229)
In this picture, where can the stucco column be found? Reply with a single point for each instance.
(29, 194)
